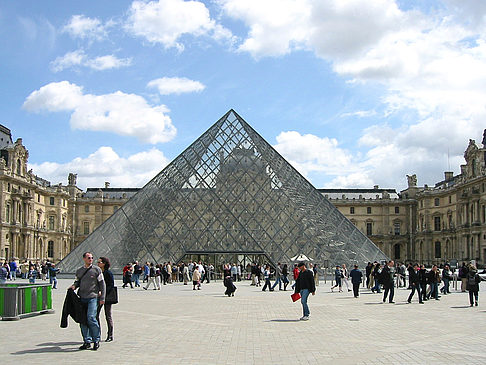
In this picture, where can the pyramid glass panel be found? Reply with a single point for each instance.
(230, 192)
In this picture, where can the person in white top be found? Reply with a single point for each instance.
(346, 276)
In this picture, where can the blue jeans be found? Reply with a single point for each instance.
(136, 278)
(53, 281)
(445, 288)
(304, 294)
(279, 282)
(91, 332)
(434, 290)
(377, 286)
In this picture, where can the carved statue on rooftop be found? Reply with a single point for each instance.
(412, 180)
(72, 178)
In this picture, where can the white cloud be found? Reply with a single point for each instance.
(84, 27)
(106, 165)
(360, 114)
(309, 153)
(166, 21)
(79, 58)
(118, 112)
(176, 85)
(431, 66)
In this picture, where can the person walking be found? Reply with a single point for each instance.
(13, 269)
(295, 274)
(3, 273)
(424, 279)
(305, 285)
(127, 275)
(463, 271)
(266, 276)
(316, 274)
(53, 271)
(414, 281)
(338, 275)
(152, 278)
(446, 278)
(434, 280)
(196, 279)
(104, 265)
(377, 271)
(345, 276)
(356, 278)
(388, 275)
(91, 284)
(137, 271)
(285, 278)
(473, 280)
(278, 277)
(368, 269)
(230, 286)
(32, 274)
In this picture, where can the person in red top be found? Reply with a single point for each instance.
(296, 275)
(127, 275)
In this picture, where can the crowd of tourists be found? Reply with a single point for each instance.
(11, 270)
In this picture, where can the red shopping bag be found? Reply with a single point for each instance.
(295, 297)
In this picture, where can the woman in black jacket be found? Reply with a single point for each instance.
(472, 285)
(104, 264)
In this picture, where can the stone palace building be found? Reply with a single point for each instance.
(429, 224)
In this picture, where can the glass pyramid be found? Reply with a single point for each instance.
(229, 192)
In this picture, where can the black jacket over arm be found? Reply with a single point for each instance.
(305, 281)
(109, 280)
(74, 308)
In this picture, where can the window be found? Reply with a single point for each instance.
(51, 200)
(7, 213)
(436, 223)
(86, 228)
(368, 210)
(86, 208)
(50, 249)
(437, 250)
(436, 202)
(51, 223)
(396, 228)
(351, 210)
(450, 199)
(396, 250)
(38, 198)
(19, 167)
(369, 228)
(397, 210)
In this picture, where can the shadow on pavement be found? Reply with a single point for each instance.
(461, 306)
(50, 347)
(284, 320)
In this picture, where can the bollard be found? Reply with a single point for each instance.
(23, 300)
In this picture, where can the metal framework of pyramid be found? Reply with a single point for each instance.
(229, 192)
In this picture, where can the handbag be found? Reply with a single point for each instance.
(112, 296)
(295, 297)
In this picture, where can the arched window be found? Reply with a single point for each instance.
(50, 249)
(438, 251)
(19, 167)
(396, 250)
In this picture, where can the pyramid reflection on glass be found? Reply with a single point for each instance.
(229, 192)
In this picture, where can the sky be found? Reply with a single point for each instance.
(353, 93)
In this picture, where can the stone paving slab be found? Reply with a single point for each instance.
(177, 325)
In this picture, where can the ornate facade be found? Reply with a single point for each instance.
(421, 223)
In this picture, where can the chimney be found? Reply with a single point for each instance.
(448, 175)
(107, 184)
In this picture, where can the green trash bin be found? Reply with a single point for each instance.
(24, 300)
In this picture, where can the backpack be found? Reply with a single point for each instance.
(471, 280)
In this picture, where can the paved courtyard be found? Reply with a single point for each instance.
(177, 325)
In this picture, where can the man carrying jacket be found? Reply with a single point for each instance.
(388, 281)
(91, 284)
(305, 285)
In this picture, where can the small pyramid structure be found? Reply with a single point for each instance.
(229, 192)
